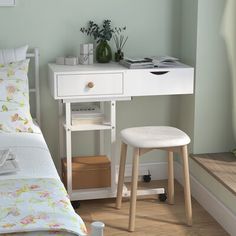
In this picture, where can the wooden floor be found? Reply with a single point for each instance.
(153, 218)
(221, 166)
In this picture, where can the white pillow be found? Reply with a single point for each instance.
(13, 54)
(14, 99)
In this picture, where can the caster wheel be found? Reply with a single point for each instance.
(147, 178)
(75, 204)
(162, 197)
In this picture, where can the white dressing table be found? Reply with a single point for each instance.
(108, 83)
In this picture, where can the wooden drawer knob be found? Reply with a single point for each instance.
(90, 85)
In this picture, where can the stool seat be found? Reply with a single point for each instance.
(154, 137)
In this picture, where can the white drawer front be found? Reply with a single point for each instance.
(159, 82)
(89, 84)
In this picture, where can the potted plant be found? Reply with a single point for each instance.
(102, 34)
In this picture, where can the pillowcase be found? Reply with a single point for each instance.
(14, 99)
(13, 54)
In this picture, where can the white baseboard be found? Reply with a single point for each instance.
(210, 203)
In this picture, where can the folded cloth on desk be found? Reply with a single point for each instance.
(37, 205)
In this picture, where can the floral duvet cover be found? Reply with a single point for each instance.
(37, 207)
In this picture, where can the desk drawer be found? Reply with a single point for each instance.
(89, 84)
(159, 81)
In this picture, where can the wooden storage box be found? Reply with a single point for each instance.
(88, 172)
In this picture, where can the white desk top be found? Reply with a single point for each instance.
(104, 67)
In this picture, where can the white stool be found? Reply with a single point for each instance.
(143, 140)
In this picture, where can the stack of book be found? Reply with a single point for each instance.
(86, 114)
(164, 61)
(150, 62)
(137, 63)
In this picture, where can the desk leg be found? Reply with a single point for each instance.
(61, 148)
(101, 134)
(68, 148)
(113, 145)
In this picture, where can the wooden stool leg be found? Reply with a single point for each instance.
(121, 175)
(170, 178)
(187, 193)
(134, 185)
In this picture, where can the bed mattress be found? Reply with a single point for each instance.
(34, 160)
(32, 155)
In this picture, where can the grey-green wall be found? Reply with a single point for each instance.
(213, 104)
(188, 55)
(153, 28)
(207, 115)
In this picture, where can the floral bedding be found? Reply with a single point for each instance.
(14, 98)
(37, 207)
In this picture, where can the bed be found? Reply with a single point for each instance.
(33, 200)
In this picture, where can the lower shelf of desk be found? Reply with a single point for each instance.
(99, 193)
(95, 193)
(87, 127)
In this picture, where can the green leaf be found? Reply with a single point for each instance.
(4, 108)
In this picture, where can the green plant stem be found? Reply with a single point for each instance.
(124, 42)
